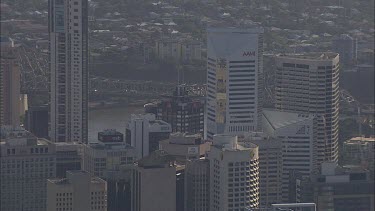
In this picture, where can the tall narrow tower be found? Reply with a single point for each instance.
(68, 32)
(9, 84)
(234, 81)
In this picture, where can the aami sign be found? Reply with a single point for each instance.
(248, 53)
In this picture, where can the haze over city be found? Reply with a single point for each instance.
(187, 105)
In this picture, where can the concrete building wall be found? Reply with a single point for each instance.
(154, 189)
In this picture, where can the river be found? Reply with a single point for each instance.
(110, 118)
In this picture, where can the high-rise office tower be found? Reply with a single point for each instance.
(270, 166)
(296, 133)
(26, 162)
(234, 174)
(309, 83)
(143, 132)
(68, 31)
(234, 80)
(78, 191)
(9, 84)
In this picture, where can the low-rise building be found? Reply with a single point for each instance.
(360, 151)
(185, 147)
(108, 154)
(339, 188)
(78, 191)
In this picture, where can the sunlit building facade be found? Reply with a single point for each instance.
(309, 83)
(234, 80)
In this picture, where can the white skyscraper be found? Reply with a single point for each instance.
(68, 31)
(234, 174)
(234, 80)
(309, 83)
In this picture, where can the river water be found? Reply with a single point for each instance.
(110, 118)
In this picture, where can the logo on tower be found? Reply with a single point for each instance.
(248, 53)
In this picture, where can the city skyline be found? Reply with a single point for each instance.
(187, 105)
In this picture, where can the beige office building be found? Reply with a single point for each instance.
(26, 163)
(9, 84)
(309, 83)
(234, 174)
(78, 192)
(184, 146)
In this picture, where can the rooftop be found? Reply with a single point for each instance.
(361, 139)
(311, 56)
(157, 159)
(185, 139)
(66, 181)
(8, 132)
(235, 30)
(160, 122)
(110, 132)
(279, 119)
(112, 146)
